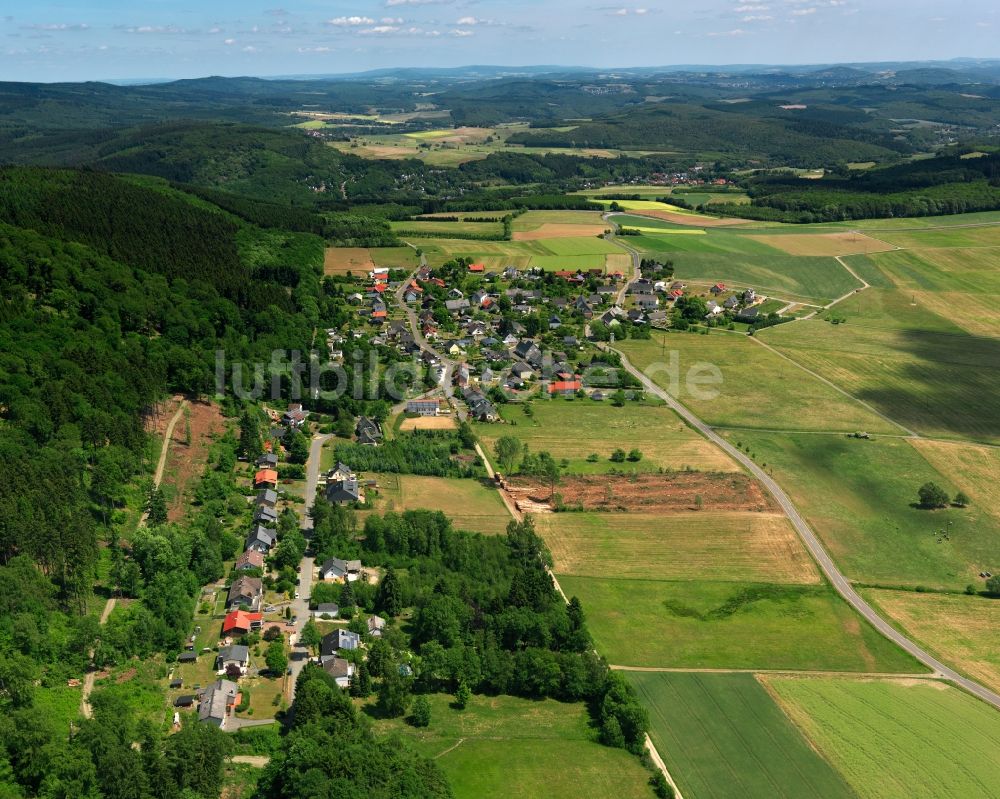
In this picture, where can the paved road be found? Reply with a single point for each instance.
(819, 553)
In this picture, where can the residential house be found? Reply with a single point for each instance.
(554, 322)
(216, 703)
(267, 461)
(344, 492)
(265, 516)
(340, 472)
(718, 288)
(522, 370)
(368, 431)
(295, 416)
(423, 407)
(455, 294)
(261, 539)
(340, 570)
(251, 559)
(571, 341)
(266, 478)
(376, 624)
(479, 297)
(340, 669)
(234, 655)
(749, 315)
(565, 388)
(457, 306)
(749, 297)
(267, 498)
(337, 640)
(647, 302)
(583, 307)
(326, 609)
(245, 591)
(731, 303)
(714, 309)
(477, 268)
(241, 622)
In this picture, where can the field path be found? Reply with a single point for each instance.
(816, 548)
(161, 465)
(861, 675)
(257, 761)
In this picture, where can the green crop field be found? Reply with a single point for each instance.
(930, 382)
(723, 737)
(759, 388)
(576, 429)
(944, 238)
(714, 241)
(678, 546)
(894, 740)
(859, 496)
(581, 246)
(394, 257)
(468, 503)
(702, 624)
(549, 254)
(427, 226)
(532, 220)
(504, 746)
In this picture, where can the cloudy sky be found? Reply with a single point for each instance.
(44, 40)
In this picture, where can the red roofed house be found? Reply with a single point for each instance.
(565, 387)
(414, 286)
(379, 287)
(477, 267)
(265, 478)
(566, 275)
(718, 288)
(378, 314)
(239, 622)
(251, 559)
(438, 282)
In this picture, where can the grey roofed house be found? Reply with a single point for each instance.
(457, 305)
(238, 654)
(265, 515)
(261, 539)
(340, 669)
(368, 431)
(730, 303)
(340, 492)
(267, 497)
(295, 416)
(528, 351)
(375, 626)
(522, 370)
(337, 640)
(749, 314)
(267, 461)
(216, 702)
(647, 301)
(340, 472)
(338, 569)
(187, 657)
(245, 591)
(330, 609)
(570, 341)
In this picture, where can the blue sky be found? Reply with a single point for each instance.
(118, 39)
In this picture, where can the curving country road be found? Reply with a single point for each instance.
(819, 553)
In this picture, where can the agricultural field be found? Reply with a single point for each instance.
(898, 740)
(696, 624)
(759, 388)
(468, 503)
(431, 226)
(348, 260)
(723, 737)
(504, 746)
(571, 253)
(576, 429)
(394, 257)
(930, 382)
(860, 497)
(823, 244)
(956, 628)
(677, 546)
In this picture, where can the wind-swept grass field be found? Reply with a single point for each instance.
(759, 389)
(899, 740)
(506, 747)
(706, 624)
(723, 737)
(576, 429)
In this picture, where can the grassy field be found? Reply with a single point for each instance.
(683, 546)
(956, 628)
(930, 382)
(468, 503)
(343, 260)
(759, 389)
(703, 624)
(550, 254)
(894, 740)
(823, 243)
(416, 227)
(575, 429)
(533, 220)
(859, 497)
(504, 746)
(723, 737)
(394, 257)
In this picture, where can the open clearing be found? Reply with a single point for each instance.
(341, 260)
(679, 546)
(705, 624)
(578, 428)
(758, 389)
(468, 503)
(558, 231)
(199, 426)
(859, 497)
(930, 382)
(959, 629)
(428, 423)
(824, 243)
(723, 737)
(506, 747)
(899, 740)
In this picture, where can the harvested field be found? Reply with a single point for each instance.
(618, 263)
(975, 470)
(690, 219)
(824, 243)
(428, 423)
(341, 260)
(960, 629)
(680, 546)
(651, 493)
(556, 231)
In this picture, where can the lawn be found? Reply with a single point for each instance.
(759, 388)
(703, 624)
(723, 737)
(576, 429)
(468, 503)
(504, 746)
(695, 545)
(859, 497)
(895, 740)
(930, 382)
(958, 629)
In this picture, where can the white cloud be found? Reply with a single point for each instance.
(803, 12)
(734, 32)
(59, 26)
(153, 29)
(315, 49)
(757, 18)
(750, 8)
(460, 33)
(350, 22)
(229, 42)
(391, 3)
(249, 49)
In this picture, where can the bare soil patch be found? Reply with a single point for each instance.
(552, 230)
(646, 493)
(824, 244)
(428, 423)
(341, 260)
(194, 433)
